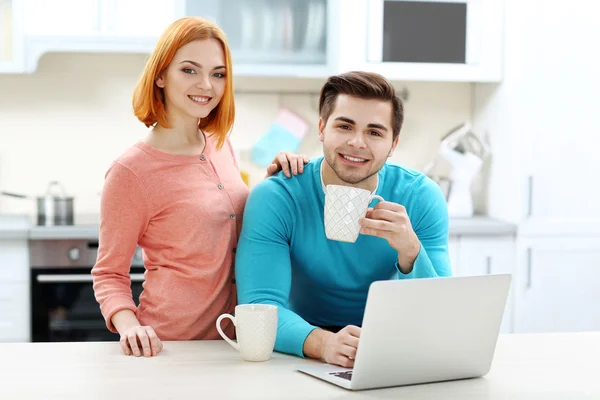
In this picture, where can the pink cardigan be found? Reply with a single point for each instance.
(186, 213)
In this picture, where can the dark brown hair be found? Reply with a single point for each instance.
(364, 85)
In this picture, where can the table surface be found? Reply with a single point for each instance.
(525, 366)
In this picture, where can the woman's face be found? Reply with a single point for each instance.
(195, 79)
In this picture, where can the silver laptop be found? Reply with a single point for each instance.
(424, 330)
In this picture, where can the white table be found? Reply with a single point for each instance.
(544, 366)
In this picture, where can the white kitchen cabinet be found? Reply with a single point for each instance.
(481, 255)
(83, 18)
(557, 287)
(425, 40)
(14, 290)
(130, 26)
(62, 17)
(139, 18)
(277, 38)
(295, 38)
(14, 312)
(453, 243)
(544, 142)
(544, 164)
(14, 260)
(11, 36)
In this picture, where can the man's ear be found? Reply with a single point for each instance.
(394, 144)
(321, 129)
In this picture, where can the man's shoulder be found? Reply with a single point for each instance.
(401, 175)
(405, 181)
(283, 187)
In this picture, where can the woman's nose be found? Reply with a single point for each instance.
(203, 82)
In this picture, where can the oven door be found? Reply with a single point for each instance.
(63, 306)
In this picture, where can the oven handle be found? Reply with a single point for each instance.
(78, 278)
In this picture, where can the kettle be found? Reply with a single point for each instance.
(465, 152)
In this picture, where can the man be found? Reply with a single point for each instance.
(321, 285)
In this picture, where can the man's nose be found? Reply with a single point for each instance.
(357, 140)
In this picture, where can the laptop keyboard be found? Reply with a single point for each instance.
(343, 374)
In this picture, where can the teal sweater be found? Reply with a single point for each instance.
(284, 258)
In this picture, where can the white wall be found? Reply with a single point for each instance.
(72, 117)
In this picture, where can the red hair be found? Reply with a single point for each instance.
(148, 98)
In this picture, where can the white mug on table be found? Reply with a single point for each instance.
(256, 330)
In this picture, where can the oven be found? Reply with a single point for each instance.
(63, 306)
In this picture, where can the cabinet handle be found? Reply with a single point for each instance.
(488, 264)
(529, 195)
(529, 255)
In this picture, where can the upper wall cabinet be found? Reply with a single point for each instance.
(275, 37)
(423, 40)
(429, 40)
(130, 26)
(11, 37)
(108, 18)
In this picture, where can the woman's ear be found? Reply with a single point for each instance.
(160, 82)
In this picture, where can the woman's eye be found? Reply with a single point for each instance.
(189, 71)
(219, 75)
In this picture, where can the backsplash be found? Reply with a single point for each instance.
(73, 116)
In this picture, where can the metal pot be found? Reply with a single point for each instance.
(52, 208)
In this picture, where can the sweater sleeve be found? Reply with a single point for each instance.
(430, 223)
(263, 265)
(123, 219)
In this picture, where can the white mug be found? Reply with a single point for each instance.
(255, 328)
(344, 206)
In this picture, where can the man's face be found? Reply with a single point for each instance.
(357, 137)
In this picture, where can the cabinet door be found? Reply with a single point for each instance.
(11, 38)
(272, 34)
(6, 31)
(489, 255)
(14, 312)
(560, 196)
(434, 40)
(14, 261)
(453, 242)
(557, 288)
(138, 18)
(62, 17)
(480, 255)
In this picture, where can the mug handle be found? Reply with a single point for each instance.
(235, 345)
(375, 196)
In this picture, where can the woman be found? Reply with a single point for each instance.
(179, 195)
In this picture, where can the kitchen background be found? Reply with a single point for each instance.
(522, 74)
(70, 118)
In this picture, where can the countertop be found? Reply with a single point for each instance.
(14, 227)
(535, 366)
(19, 227)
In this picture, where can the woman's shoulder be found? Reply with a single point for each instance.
(137, 158)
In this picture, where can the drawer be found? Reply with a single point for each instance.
(14, 260)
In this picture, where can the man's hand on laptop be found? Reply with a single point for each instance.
(333, 348)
